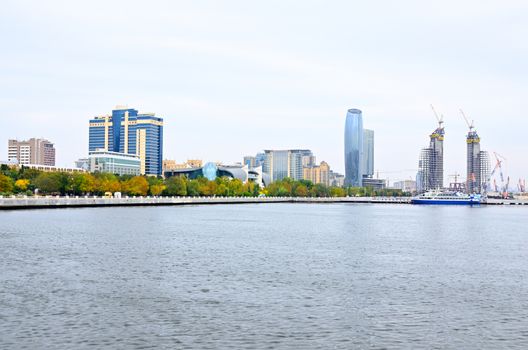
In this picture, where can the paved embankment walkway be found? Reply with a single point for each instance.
(9, 203)
(48, 202)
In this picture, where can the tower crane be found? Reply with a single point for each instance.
(471, 125)
(440, 118)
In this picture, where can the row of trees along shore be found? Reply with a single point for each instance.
(25, 181)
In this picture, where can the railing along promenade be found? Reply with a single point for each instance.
(48, 202)
(22, 202)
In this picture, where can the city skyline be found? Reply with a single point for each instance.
(217, 82)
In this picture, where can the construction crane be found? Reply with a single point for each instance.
(471, 125)
(498, 166)
(439, 118)
(456, 186)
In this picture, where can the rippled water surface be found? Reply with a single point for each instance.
(284, 276)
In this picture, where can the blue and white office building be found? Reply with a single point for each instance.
(128, 132)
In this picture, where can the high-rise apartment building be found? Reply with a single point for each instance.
(318, 174)
(354, 148)
(280, 164)
(431, 164)
(477, 163)
(129, 132)
(368, 153)
(33, 151)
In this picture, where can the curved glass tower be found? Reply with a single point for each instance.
(354, 148)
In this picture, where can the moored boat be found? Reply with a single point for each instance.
(447, 198)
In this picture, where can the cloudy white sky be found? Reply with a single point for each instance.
(234, 77)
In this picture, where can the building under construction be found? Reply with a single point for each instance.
(431, 164)
(478, 168)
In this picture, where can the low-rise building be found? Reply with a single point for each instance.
(213, 170)
(83, 163)
(52, 168)
(376, 184)
(405, 185)
(170, 164)
(115, 163)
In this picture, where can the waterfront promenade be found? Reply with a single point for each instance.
(48, 202)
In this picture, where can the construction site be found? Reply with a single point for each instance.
(481, 178)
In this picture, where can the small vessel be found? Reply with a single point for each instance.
(447, 198)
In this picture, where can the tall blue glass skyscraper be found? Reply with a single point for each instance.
(129, 132)
(354, 148)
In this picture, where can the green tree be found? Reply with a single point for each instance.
(176, 186)
(156, 189)
(136, 186)
(222, 190)
(9, 171)
(319, 190)
(6, 184)
(193, 188)
(156, 186)
(106, 182)
(300, 190)
(48, 183)
(22, 185)
(337, 192)
(307, 183)
(236, 187)
(206, 187)
(28, 173)
(83, 183)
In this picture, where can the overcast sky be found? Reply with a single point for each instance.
(235, 77)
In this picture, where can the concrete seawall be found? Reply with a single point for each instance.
(49, 202)
(11, 203)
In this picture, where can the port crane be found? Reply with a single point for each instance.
(499, 160)
(522, 186)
